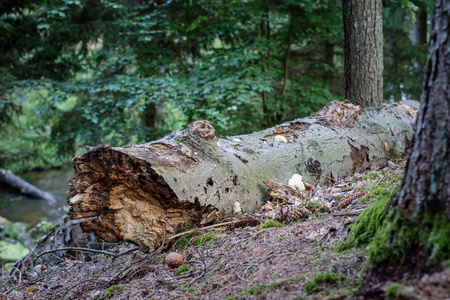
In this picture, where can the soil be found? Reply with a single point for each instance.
(297, 261)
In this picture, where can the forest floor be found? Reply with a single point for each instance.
(300, 260)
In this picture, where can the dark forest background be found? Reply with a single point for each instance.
(76, 73)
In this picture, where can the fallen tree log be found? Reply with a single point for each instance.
(143, 193)
(17, 183)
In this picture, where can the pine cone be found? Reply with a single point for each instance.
(292, 213)
(349, 199)
(243, 223)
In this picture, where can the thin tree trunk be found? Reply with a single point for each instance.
(420, 28)
(363, 68)
(265, 34)
(288, 52)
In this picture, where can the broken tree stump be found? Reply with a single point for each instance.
(143, 193)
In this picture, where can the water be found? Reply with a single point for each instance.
(32, 211)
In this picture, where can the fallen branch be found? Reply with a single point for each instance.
(201, 228)
(87, 250)
(14, 181)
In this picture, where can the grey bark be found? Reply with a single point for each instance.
(141, 193)
(363, 51)
(426, 186)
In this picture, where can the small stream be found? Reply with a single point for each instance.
(32, 211)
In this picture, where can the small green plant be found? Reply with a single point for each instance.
(393, 290)
(314, 286)
(186, 240)
(310, 204)
(206, 240)
(271, 223)
(112, 290)
(394, 154)
(318, 215)
(339, 197)
(180, 139)
(185, 226)
(181, 269)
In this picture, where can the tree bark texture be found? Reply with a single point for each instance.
(363, 51)
(415, 238)
(426, 187)
(143, 193)
(420, 28)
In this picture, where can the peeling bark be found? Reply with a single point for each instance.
(141, 193)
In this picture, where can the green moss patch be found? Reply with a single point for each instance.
(196, 238)
(393, 290)
(207, 239)
(112, 290)
(12, 251)
(181, 269)
(187, 240)
(316, 285)
(400, 236)
(271, 223)
(369, 222)
(263, 289)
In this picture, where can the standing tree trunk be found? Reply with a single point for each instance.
(420, 28)
(363, 69)
(416, 238)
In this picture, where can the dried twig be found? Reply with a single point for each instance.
(202, 228)
(78, 249)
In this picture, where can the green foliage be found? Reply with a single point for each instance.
(112, 290)
(403, 61)
(393, 290)
(118, 72)
(315, 285)
(271, 223)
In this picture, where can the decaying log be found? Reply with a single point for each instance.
(17, 183)
(141, 193)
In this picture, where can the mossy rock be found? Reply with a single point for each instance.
(12, 251)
